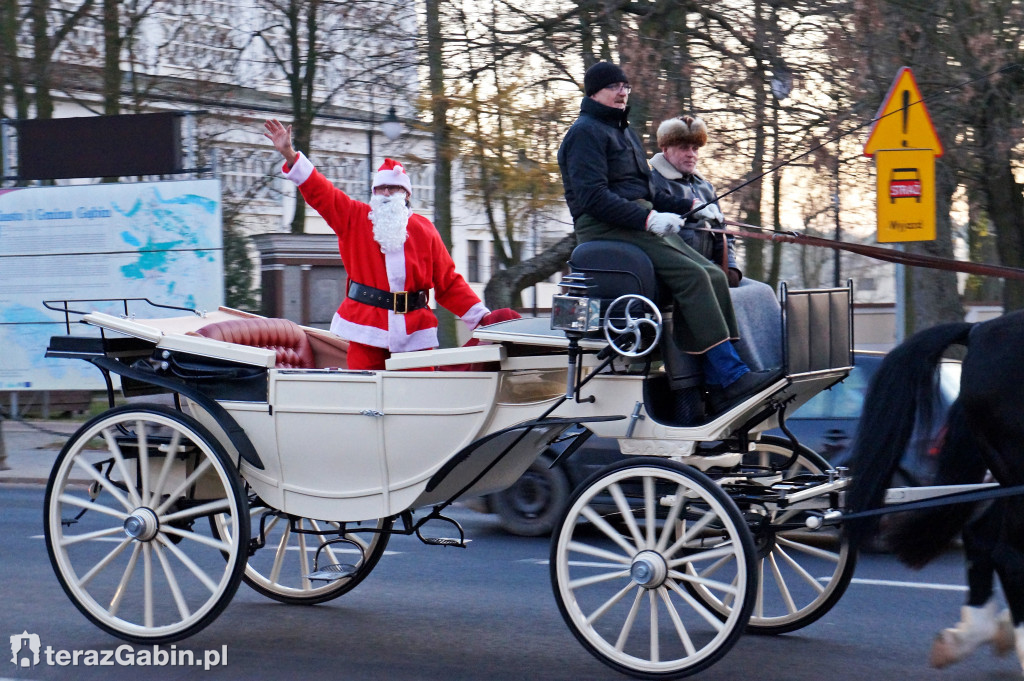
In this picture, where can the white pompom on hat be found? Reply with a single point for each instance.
(683, 130)
(391, 172)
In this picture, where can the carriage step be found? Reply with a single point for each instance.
(332, 573)
(445, 541)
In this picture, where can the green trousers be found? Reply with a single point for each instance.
(703, 314)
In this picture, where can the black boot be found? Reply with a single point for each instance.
(722, 399)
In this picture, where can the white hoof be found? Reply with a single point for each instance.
(1018, 633)
(976, 626)
(1004, 640)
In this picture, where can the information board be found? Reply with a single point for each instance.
(156, 240)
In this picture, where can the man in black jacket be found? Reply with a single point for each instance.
(611, 195)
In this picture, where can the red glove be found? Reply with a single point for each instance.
(502, 315)
(493, 317)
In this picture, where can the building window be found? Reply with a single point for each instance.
(473, 260)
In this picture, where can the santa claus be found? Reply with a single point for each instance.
(392, 256)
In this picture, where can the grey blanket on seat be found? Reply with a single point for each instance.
(759, 318)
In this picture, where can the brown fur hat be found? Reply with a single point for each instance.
(682, 130)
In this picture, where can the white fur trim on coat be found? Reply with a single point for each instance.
(474, 315)
(301, 171)
(423, 339)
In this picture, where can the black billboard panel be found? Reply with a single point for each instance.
(99, 146)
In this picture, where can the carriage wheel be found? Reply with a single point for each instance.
(801, 574)
(280, 569)
(619, 568)
(124, 523)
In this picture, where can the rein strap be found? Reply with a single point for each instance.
(876, 252)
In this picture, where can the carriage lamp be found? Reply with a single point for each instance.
(574, 311)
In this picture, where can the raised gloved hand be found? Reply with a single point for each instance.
(664, 224)
(708, 211)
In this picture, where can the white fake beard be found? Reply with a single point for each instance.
(389, 216)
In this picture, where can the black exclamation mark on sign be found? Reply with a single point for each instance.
(906, 103)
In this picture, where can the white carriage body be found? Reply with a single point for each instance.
(350, 445)
(274, 443)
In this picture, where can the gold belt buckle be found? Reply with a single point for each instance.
(405, 297)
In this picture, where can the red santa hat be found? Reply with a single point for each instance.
(392, 172)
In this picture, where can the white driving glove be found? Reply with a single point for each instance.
(710, 212)
(664, 224)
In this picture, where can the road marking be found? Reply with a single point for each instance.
(578, 563)
(309, 549)
(855, 580)
(904, 585)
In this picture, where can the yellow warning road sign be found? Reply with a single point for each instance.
(904, 144)
(902, 120)
(906, 194)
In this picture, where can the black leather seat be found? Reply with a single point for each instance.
(618, 268)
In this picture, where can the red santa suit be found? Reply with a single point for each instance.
(424, 263)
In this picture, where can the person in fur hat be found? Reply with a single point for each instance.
(756, 307)
(392, 257)
(611, 194)
(680, 140)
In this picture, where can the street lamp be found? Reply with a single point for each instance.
(782, 81)
(392, 129)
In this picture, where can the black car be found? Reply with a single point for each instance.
(826, 424)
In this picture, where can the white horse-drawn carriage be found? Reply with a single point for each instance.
(277, 466)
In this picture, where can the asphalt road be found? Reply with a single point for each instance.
(485, 612)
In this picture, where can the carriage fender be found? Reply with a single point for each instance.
(572, 447)
(234, 432)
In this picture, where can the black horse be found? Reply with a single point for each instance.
(984, 431)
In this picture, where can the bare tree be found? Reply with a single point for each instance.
(325, 48)
(987, 43)
(48, 25)
(948, 45)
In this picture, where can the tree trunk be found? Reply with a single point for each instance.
(41, 55)
(442, 150)
(750, 203)
(1002, 192)
(10, 66)
(112, 57)
(932, 296)
(982, 247)
(503, 288)
(302, 138)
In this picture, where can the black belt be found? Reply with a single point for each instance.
(399, 302)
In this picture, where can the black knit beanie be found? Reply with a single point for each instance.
(600, 75)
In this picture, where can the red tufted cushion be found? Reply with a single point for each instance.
(280, 335)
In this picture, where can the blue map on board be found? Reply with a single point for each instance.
(162, 232)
